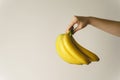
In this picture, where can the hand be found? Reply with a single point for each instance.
(81, 22)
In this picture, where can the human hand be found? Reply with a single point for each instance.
(81, 22)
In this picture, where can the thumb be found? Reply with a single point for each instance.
(69, 29)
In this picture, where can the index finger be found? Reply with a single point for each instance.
(72, 23)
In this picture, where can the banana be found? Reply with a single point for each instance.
(62, 52)
(73, 50)
(91, 55)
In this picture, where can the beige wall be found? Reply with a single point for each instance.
(28, 30)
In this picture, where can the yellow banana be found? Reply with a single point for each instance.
(73, 50)
(62, 52)
(88, 53)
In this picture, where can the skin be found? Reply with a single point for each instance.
(109, 26)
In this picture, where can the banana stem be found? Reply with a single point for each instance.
(71, 32)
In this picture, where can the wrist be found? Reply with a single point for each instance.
(89, 18)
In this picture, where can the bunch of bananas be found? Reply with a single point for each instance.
(72, 52)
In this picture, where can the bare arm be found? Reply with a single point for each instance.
(110, 26)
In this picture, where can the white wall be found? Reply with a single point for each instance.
(28, 30)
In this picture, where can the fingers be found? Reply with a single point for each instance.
(81, 22)
(72, 23)
(76, 29)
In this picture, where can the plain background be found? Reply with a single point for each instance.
(28, 31)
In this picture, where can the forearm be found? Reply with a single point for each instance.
(112, 27)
